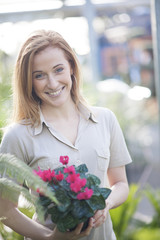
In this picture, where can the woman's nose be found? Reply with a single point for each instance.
(52, 82)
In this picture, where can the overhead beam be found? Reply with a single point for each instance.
(68, 11)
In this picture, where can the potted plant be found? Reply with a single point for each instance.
(77, 192)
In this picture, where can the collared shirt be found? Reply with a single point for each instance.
(99, 144)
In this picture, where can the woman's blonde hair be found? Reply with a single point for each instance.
(25, 102)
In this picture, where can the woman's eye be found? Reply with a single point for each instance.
(39, 75)
(58, 70)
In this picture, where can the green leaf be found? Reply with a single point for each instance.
(63, 199)
(67, 222)
(27, 211)
(12, 190)
(44, 201)
(96, 202)
(122, 215)
(105, 192)
(95, 189)
(61, 227)
(20, 172)
(64, 184)
(82, 168)
(81, 209)
(73, 195)
(154, 198)
(59, 169)
(92, 180)
(55, 214)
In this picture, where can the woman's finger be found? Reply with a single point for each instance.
(100, 217)
(87, 231)
(78, 229)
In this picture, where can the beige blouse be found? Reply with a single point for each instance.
(100, 145)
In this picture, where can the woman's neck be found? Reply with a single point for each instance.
(64, 120)
(64, 112)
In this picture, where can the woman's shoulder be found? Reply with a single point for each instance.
(102, 112)
(15, 130)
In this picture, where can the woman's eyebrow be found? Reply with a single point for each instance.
(57, 65)
(39, 71)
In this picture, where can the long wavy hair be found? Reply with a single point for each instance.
(25, 101)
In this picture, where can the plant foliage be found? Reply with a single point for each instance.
(14, 174)
(123, 215)
(78, 193)
(154, 197)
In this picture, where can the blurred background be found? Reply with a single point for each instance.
(115, 44)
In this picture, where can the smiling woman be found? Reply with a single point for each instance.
(52, 119)
(52, 70)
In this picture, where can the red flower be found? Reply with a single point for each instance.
(72, 177)
(87, 194)
(59, 176)
(75, 187)
(70, 170)
(45, 175)
(78, 185)
(83, 182)
(64, 160)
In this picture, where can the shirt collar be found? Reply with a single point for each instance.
(85, 112)
(39, 127)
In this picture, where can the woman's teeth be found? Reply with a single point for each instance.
(55, 93)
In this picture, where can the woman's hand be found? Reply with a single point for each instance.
(100, 216)
(74, 235)
(119, 185)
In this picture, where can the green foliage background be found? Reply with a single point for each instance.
(5, 90)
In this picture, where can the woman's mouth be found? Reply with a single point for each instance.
(55, 93)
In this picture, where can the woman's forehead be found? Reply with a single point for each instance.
(49, 56)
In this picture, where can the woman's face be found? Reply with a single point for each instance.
(51, 76)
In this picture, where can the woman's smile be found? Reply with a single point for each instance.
(55, 93)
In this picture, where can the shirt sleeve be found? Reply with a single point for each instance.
(12, 144)
(119, 154)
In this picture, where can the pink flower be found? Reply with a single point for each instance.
(75, 187)
(39, 172)
(59, 176)
(45, 175)
(70, 170)
(64, 160)
(72, 177)
(78, 185)
(87, 194)
(83, 182)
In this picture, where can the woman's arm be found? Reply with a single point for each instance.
(120, 189)
(27, 227)
(119, 186)
(22, 224)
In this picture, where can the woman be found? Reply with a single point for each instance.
(51, 119)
